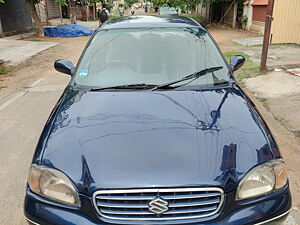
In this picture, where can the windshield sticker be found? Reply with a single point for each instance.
(83, 73)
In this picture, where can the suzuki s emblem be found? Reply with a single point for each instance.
(158, 206)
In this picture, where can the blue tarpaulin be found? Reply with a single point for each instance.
(70, 30)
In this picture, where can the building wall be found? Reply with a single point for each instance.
(254, 23)
(259, 13)
(53, 9)
(41, 10)
(286, 23)
(47, 9)
(15, 16)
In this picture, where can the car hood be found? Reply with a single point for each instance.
(114, 140)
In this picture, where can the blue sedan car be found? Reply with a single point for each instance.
(153, 129)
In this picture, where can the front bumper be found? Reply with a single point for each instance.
(274, 221)
(269, 209)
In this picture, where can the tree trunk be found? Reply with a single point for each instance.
(83, 12)
(36, 19)
(72, 6)
(87, 13)
(94, 11)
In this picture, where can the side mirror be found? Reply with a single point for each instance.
(64, 66)
(237, 62)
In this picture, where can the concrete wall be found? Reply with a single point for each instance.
(48, 9)
(248, 11)
(15, 17)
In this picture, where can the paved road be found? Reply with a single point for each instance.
(23, 113)
(27, 97)
(22, 117)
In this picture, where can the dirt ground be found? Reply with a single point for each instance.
(225, 36)
(70, 48)
(41, 64)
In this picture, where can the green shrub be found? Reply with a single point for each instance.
(4, 70)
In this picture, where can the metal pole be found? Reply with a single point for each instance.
(268, 24)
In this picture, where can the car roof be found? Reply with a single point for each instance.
(149, 22)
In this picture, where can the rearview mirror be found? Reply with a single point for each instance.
(237, 62)
(64, 66)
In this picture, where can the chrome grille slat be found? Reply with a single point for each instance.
(120, 212)
(195, 203)
(114, 205)
(125, 198)
(167, 197)
(183, 203)
(190, 196)
(177, 211)
(139, 212)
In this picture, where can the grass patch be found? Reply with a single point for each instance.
(4, 70)
(283, 44)
(249, 69)
(36, 40)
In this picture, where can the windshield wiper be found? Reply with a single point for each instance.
(224, 83)
(126, 86)
(188, 77)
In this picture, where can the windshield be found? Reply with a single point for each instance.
(149, 56)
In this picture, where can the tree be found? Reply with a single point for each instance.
(184, 4)
(109, 3)
(84, 9)
(36, 19)
(131, 2)
(160, 3)
(192, 4)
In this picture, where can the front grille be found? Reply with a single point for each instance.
(182, 203)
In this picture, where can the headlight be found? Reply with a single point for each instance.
(263, 179)
(53, 184)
